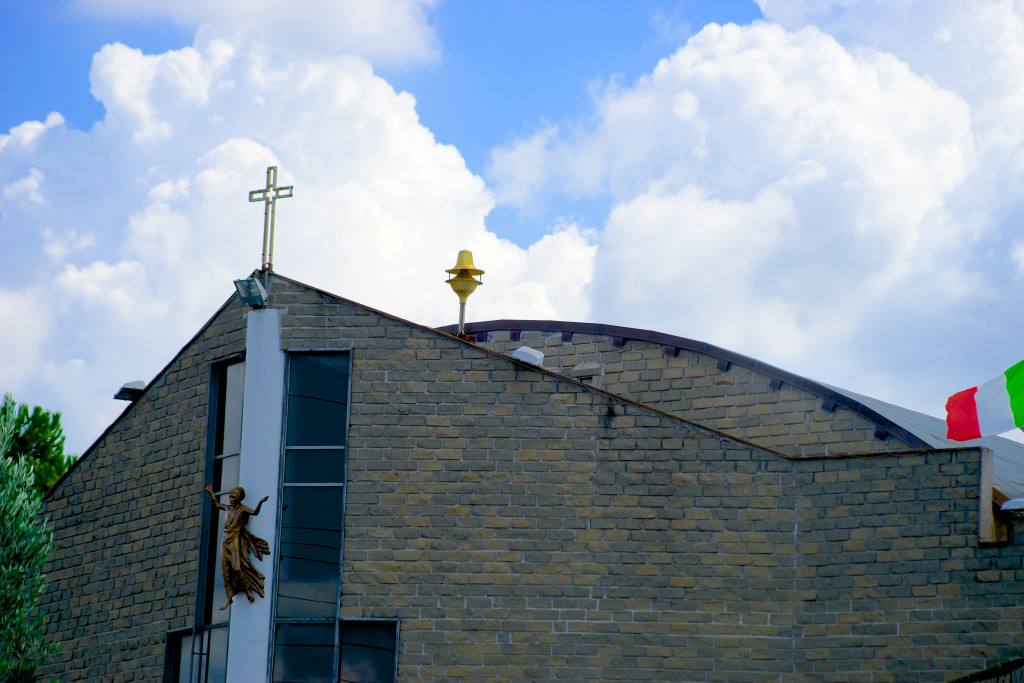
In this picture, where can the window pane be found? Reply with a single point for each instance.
(215, 595)
(183, 672)
(310, 552)
(230, 381)
(304, 653)
(225, 473)
(367, 652)
(216, 663)
(204, 658)
(234, 386)
(317, 398)
(379, 634)
(313, 466)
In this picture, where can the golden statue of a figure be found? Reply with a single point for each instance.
(240, 575)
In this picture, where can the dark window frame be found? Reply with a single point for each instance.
(214, 442)
(174, 648)
(342, 485)
(340, 626)
(207, 534)
(172, 653)
(363, 620)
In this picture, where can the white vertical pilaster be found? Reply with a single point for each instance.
(262, 404)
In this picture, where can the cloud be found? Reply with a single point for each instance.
(129, 262)
(115, 294)
(383, 31)
(975, 49)
(23, 334)
(135, 87)
(1017, 256)
(552, 281)
(519, 170)
(671, 27)
(22, 136)
(774, 191)
(59, 247)
(26, 188)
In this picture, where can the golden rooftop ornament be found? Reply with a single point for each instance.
(270, 194)
(463, 282)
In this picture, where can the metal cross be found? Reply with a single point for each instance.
(270, 194)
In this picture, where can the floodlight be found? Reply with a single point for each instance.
(131, 391)
(251, 292)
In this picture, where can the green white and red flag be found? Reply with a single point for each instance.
(994, 407)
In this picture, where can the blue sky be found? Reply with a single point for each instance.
(830, 186)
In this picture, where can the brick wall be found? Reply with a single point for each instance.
(525, 527)
(736, 400)
(892, 581)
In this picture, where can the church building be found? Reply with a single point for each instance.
(527, 501)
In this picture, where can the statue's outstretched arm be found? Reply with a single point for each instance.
(259, 505)
(216, 503)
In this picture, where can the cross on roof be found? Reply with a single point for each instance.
(270, 194)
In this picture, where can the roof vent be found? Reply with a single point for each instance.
(532, 356)
(130, 390)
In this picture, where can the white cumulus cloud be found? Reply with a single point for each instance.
(774, 192)
(27, 188)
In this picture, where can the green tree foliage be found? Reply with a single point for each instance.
(24, 545)
(38, 438)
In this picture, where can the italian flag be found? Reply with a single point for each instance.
(994, 407)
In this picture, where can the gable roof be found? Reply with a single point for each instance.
(443, 332)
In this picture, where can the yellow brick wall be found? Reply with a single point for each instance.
(524, 527)
(738, 401)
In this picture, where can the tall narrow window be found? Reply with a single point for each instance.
(309, 557)
(199, 655)
(226, 456)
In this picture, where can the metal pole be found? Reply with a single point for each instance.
(268, 220)
(270, 258)
(462, 317)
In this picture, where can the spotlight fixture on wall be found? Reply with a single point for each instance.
(463, 282)
(251, 292)
(130, 391)
(1014, 507)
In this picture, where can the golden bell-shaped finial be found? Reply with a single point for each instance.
(465, 262)
(463, 282)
